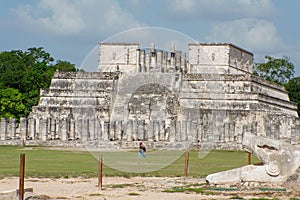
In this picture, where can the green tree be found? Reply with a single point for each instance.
(12, 68)
(293, 88)
(278, 70)
(39, 70)
(38, 55)
(27, 72)
(11, 103)
(65, 66)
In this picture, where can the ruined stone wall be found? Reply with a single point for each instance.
(130, 59)
(227, 106)
(245, 92)
(77, 94)
(207, 128)
(117, 56)
(219, 59)
(162, 99)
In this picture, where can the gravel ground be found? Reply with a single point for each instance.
(120, 188)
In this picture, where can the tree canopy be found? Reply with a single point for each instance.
(22, 74)
(281, 71)
(293, 88)
(278, 70)
(11, 103)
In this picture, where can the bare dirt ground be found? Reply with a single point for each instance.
(120, 188)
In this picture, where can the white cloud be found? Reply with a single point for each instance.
(243, 22)
(255, 34)
(75, 17)
(62, 18)
(220, 9)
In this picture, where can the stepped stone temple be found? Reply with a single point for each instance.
(208, 97)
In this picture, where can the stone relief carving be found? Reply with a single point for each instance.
(280, 160)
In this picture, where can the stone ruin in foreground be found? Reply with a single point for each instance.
(210, 100)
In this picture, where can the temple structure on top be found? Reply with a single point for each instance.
(207, 96)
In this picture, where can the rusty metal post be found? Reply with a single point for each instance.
(100, 172)
(21, 181)
(249, 158)
(186, 167)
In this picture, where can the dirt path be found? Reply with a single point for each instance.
(120, 188)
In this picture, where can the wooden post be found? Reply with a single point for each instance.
(21, 181)
(249, 158)
(100, 173)
(186, 167)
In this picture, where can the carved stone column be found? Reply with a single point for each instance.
(97, 130)
(156, 130)
(142, 60)
(295, 131)
(53, 128)
(141, 129)
(232, 132)
(222, 134)
(147, 62)
(3, 129)
(178, 131)
(200, 131)
(38, 128)
(150, 131)
(129, 130)
(162, 126)
(85, 130)
(102, 135)
(12, 128)
(106, 131)
(72, 129)
(112, 130)
(226, 132)
(44, 129)
(23, 128)
(79, 128)
(134, 129)
(193, 132)
(64, 133)
(92, 128)
(183, 136)
(31, 128)
(171, 132)
(118, 130)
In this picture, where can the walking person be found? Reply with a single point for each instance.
(142, 150)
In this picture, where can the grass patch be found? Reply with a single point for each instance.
(196, 185)
(273, 189)
(41, 197)
(121, 185)
(195, 190)
(173, 190)
(263, 199)
(222, 189)
(133, 194)
(47, 163)
(44, 162)
(95, 195)
(237, 198)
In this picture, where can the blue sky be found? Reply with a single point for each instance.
(70, 29)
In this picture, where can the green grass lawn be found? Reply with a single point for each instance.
(43, 162)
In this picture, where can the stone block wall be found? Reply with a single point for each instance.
(121, 55)
(130, 59)
(219, 58)
(75, 94)
(206, 128)
(162, 99)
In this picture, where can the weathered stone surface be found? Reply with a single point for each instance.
(158, 96)
(280, 163)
